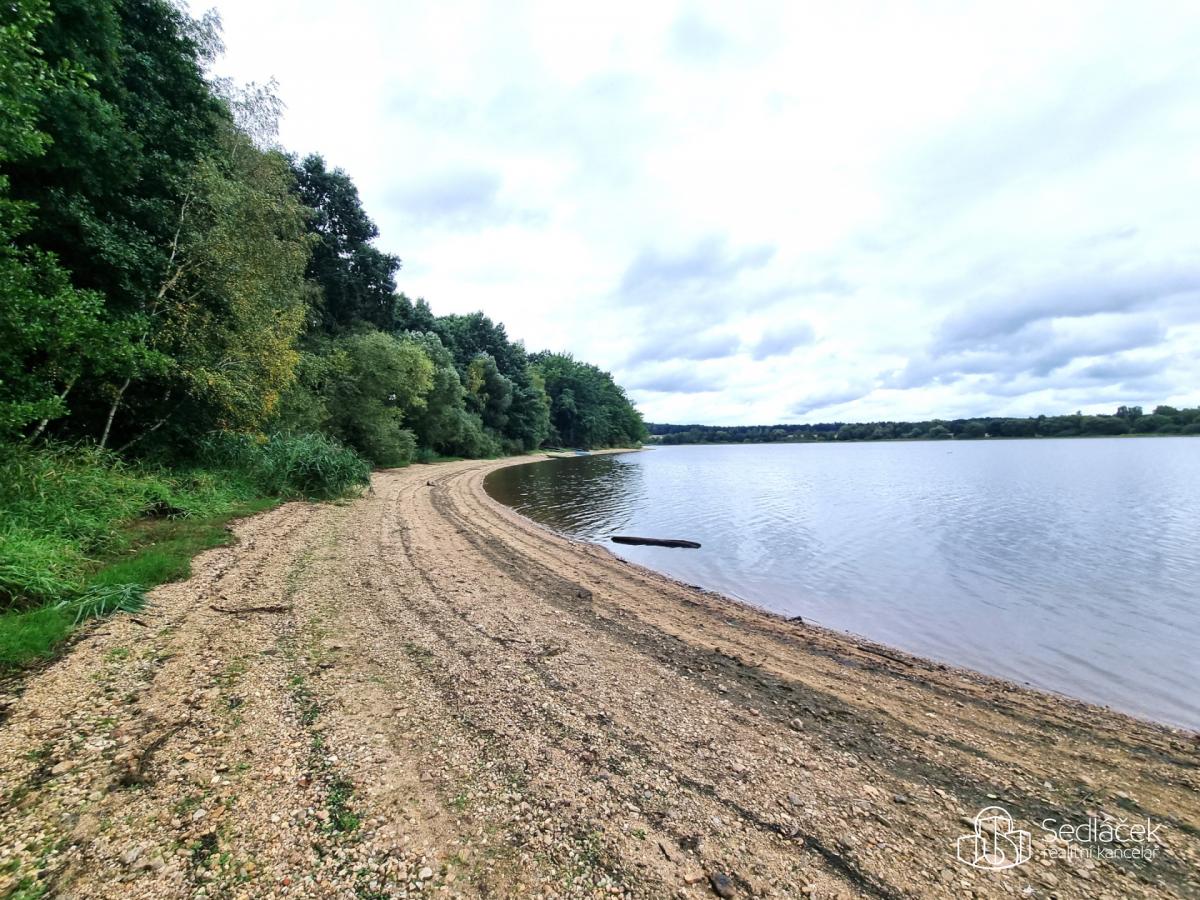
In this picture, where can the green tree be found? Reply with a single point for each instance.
(1104, 425)
(488, 393)
(236, 298)
(526, 415)
(356, 280)
(1151, 423)
(444, 425)
(587, 408)
(378, 383)
(49, 326)
(127, 121)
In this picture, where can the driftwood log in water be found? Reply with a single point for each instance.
(654, 542)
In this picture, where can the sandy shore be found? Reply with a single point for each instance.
(420, 692)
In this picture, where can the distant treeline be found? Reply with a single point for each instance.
(1126, 420)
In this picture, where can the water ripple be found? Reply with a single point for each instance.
(1070, 565)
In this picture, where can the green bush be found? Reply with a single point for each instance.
(310, 465)
(384, 441)
(289, 465)
(69, 492)
(381, 382)
(464, 435)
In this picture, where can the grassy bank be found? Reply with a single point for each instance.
(83, 534)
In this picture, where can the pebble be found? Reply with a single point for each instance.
(721, 884)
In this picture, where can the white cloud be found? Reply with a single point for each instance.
(846, 209)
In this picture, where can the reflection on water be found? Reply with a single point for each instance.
(1070, 565)
(588, 497)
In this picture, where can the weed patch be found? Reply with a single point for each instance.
(84, 535)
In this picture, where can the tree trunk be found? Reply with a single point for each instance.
(37, 433)
(112, 411)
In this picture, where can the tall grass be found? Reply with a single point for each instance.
(307, 465)
(83, 534)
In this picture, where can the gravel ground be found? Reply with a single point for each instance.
(420, 692)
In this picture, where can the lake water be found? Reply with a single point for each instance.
(1071, 565)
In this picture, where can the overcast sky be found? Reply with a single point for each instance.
(756, 213)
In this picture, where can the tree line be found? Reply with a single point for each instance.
(1126, 420)
(172, 278)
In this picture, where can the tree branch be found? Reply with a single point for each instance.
(46, 421)
(149, 431)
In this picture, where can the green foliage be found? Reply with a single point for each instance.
(444, 426)
(124, 137)
(233, 306)
(60, 506)
(311, 465)
(25, 637)
(49, 330)
(381, 381)
(84, 534)
(48, 325)
(489, 394)
(503, 392)
(174, 287)
(101, 600)
(587, 408)
(127, 116)
(356, 281)
(23, 75)
(63, 508)
(362, 389)
(288, 465)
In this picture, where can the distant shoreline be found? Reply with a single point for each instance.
(1127, 420)
(650, 442)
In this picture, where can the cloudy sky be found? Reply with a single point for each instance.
(785, 212)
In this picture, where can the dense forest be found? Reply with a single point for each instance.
(194, 319)
(1126, 420)
(169, 273)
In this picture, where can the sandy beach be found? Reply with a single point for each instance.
(420, 692)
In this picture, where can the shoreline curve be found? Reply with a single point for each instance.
(424, 686)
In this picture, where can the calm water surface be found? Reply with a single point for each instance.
(1072, 565)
